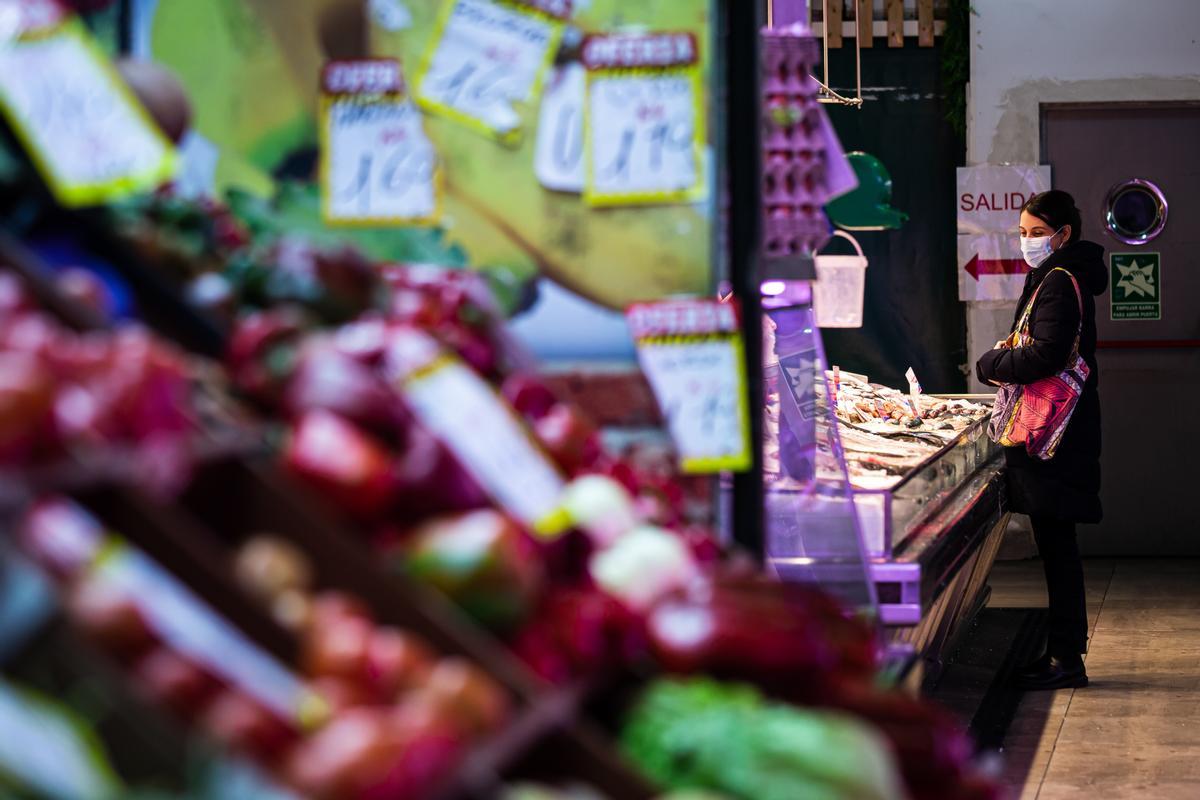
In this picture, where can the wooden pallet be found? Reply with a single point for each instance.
(893, 20)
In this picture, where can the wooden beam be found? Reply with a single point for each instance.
(895, 23)
(849, 28)
(925, 23)
(864, 15)
(833, 26)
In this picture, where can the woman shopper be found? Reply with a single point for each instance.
(1064, 490)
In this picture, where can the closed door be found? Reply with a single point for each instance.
(1130, 167)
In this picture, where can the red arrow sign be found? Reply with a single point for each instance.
(1001, 266)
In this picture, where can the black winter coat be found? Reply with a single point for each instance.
(1067, 486)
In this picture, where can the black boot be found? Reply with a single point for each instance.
(1058, 673)
(1033, 668)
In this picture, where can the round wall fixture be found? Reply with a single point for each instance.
(1135, 211)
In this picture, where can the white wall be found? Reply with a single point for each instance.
(1028, 52)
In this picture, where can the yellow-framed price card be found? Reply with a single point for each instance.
(643, 120)
(84, 130)
(488, 55)
(377, 165)
(692, 354)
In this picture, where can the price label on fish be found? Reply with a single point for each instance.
(88, 136)
(377, 164)
(692, 354)
(644, 122)
(488, 55)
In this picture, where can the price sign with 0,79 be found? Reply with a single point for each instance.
(378, 166)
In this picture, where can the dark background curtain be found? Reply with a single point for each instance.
(912, 315)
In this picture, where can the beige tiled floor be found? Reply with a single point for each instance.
(1135, 731)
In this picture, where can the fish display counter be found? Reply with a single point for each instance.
(890, 498)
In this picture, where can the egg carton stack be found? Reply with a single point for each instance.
(794, 187)
(794, 157)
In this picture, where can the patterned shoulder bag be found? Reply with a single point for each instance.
(1035, 415)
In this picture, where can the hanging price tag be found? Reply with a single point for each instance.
(643, 120)
(486, 56)
(485, 435)
(558, 156)
(692, 354)
(377, 164)
(88, 136)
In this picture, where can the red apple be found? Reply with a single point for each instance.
(347, 465)
(396, 662)
(430, 479)
(570, 439)
(175, 681)
(341, 694)
(461, 692)
(338, 650)
(529, 396)
(482, 560)
(108, 616)
(257, 350)
(243, 724)
(26, 402)
(326, 379)
(432, 748)
(351, 754)
(14, 298)
(330, 608)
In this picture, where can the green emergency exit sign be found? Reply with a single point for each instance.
(1136, 286)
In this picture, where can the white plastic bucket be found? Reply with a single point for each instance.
(838, 291)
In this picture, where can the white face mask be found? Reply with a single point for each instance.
(1037, 249)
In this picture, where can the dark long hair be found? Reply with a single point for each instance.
(1056, 208)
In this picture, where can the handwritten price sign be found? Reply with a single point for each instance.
(377, 164)
(691, 352)
(558, 154)
(488, 55)
(83, 129)
(644, 125)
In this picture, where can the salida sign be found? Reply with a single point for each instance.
(989, 204)
(991, 201)
(990, 197)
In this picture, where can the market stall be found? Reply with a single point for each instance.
(890, 498)
(288, 511)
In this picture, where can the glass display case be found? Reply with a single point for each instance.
(812, 532)
(914, 541)
(889, 516)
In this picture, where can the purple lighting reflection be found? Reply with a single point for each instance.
(780, 294)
